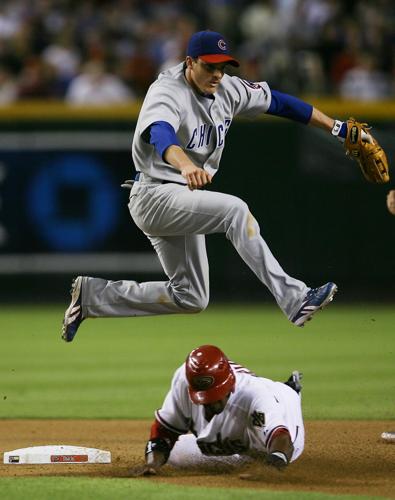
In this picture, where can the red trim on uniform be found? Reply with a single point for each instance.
(275, 432)
(158, 431)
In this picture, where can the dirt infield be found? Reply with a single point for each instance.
(340, 456)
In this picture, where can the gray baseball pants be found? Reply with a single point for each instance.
(176, 221)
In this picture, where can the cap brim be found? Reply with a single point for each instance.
(220, 58)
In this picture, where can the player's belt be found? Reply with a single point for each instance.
(139, 176)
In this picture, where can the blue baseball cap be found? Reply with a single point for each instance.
(211, 47)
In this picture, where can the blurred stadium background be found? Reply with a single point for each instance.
(72, 76)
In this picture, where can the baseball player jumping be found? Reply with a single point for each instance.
(231, 416)
(178, 143)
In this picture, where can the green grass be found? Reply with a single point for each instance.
(121, 368)
(63, 488)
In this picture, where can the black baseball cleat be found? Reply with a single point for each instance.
(315, 300)
(73, 315)
(294, 381)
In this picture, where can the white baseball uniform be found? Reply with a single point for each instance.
(176, 219)
(254, 411)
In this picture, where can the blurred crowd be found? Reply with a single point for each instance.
(108, 51)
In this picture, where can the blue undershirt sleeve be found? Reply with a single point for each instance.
(290, 107)
(162, 135)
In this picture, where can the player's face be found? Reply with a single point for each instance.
(215, 408)
(204, 77)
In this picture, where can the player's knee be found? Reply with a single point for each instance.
(200, 304)
(237, 214)
(192, 303)
(239, 209)
(196, 305)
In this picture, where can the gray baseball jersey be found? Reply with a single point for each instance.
(201, 123)
(256, 408)
(176, 219)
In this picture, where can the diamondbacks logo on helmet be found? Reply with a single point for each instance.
(209, 375)
(202, 382)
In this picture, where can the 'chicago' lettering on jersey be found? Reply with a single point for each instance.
(201, 135)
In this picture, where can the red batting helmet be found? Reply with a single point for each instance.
(209, 375)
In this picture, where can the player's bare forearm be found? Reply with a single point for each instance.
(195, 176)
(158, 448)
(280, 450)
(176, 157)
(282, 442)
(321, 120)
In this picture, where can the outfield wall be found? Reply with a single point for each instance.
(62, 211)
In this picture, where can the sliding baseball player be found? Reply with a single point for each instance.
(218, 411)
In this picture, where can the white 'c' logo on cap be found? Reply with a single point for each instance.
(222, 44)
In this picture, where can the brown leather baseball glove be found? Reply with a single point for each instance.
(363, 147)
